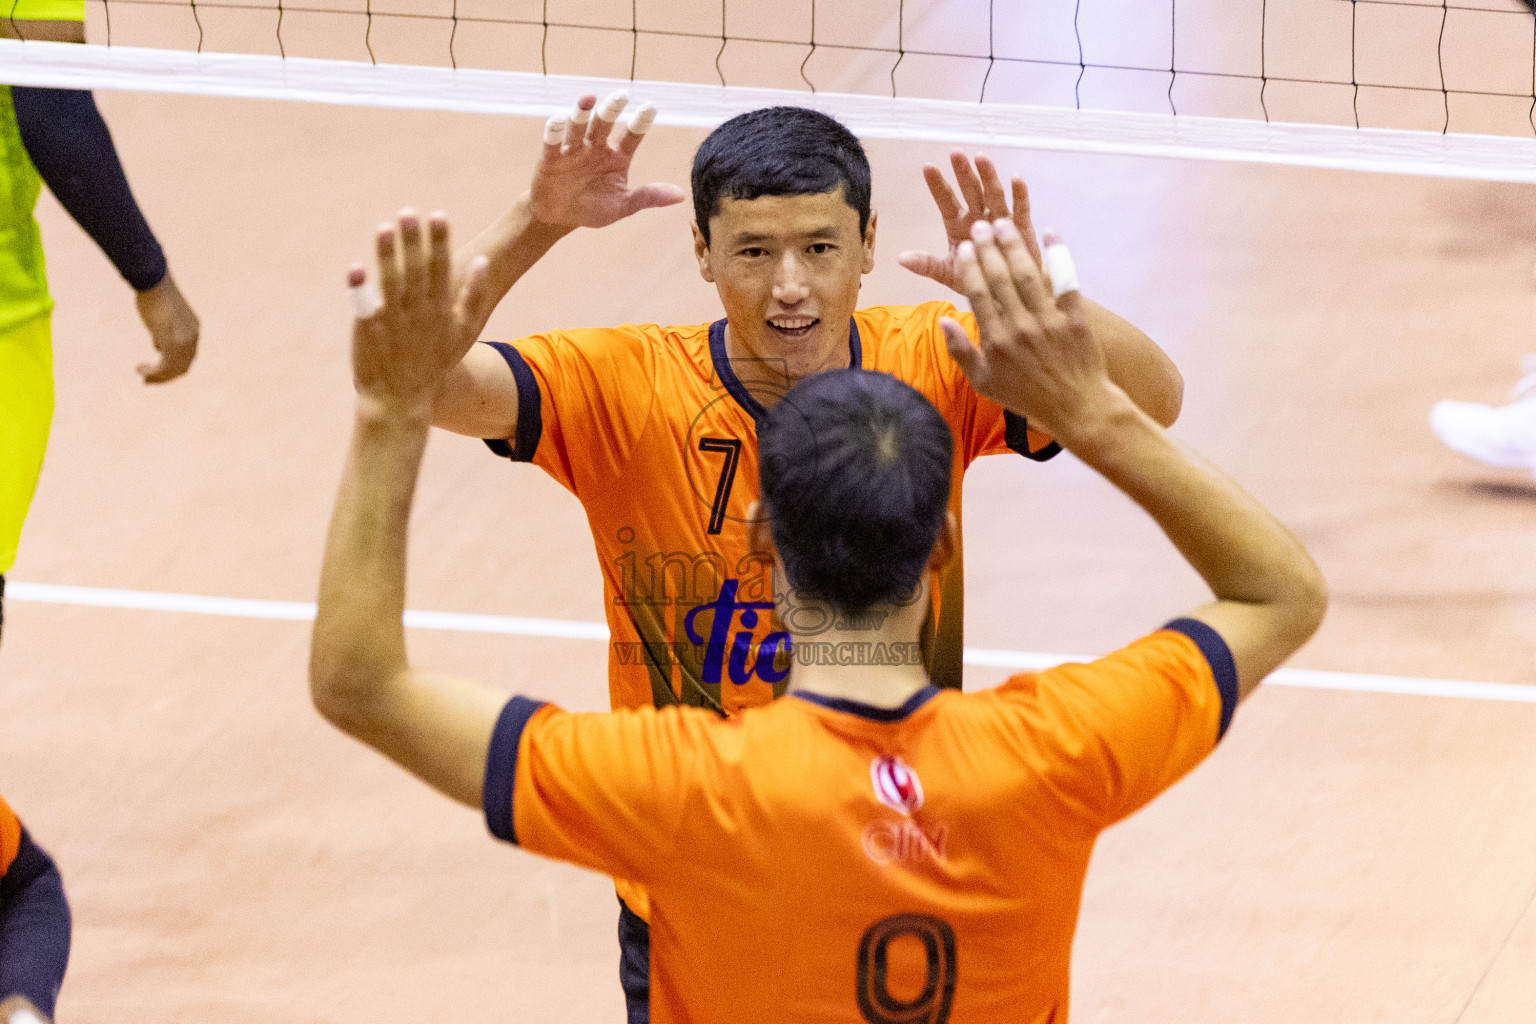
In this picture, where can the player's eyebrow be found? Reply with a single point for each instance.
(828, 231)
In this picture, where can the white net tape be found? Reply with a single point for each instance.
(997, 125)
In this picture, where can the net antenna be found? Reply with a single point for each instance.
(1437, 87)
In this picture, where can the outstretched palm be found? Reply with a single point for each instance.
(582, 178)
(984, 199)
(419, 325)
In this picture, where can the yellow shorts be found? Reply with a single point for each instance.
(26, 410)
(45, 10)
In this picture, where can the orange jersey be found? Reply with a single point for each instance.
(655, 432)
(822, 860)
(10, 837)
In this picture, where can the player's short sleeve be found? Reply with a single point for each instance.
(603, 790)
(583, 398)
(981, 426)
(1126, 727)
(10, 836)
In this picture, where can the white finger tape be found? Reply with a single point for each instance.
(365, 300)
(581, 115)
(554, 131)
(25, 1015)
(613, 105)
(644, 118)
(1058, 263)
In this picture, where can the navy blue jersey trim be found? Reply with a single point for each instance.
(1219, 656)
(727, 375)
(501, 766)
(1016, 437)
(738, 390)
(869, 711)
(530, 420)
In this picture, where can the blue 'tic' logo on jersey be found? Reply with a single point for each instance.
(726, 608)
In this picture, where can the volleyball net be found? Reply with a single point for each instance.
(1405, 86)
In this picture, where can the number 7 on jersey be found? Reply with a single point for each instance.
(731, 449)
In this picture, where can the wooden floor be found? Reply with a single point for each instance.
(1344, 857)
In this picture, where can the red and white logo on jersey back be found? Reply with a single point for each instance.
(896, 784)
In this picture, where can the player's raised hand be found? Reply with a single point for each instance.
(981, 198)
(417, 326)
(582, 177)
(1037, 355)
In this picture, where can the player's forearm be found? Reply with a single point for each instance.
(1134, 362)
(1263, 579)
(69, 143)
(358, 649)
(435, 726)
(511, 245)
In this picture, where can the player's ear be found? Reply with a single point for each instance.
(701, 253)
(869, 244)
(944, 547)
(759, 536)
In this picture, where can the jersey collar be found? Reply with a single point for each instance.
(869, 711)
(738, 390)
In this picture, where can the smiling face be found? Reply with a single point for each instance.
(788, 270)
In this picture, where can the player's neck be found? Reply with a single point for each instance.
(879, 686)
(874, 658)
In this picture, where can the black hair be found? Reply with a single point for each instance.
(855, 473)
(779, 151)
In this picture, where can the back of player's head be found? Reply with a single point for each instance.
(779, 151)
(855, 473)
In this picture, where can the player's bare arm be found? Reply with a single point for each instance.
(44, 31)
(1135, 362)
(1039, 357)
(404, 342)
(581, 180)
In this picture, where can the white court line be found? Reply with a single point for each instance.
(1358, 682)
(197, 604)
